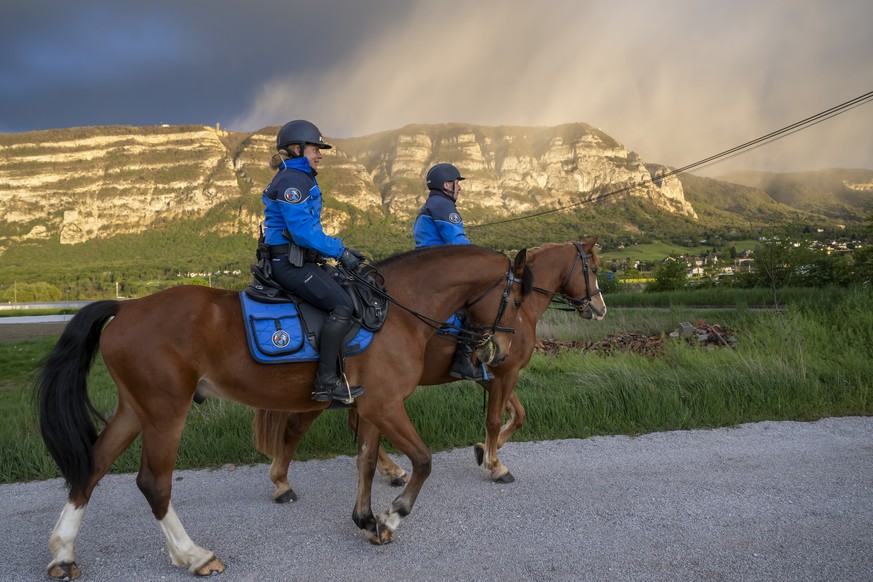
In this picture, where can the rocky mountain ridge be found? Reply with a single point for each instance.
(84, 183)
(81, 184)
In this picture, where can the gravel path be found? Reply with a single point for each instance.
(765, 501)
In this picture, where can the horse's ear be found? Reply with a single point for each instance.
(590, 244)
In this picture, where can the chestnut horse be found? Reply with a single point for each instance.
(567, 271)
(162, 348)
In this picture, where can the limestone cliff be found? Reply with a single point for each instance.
(82, 183)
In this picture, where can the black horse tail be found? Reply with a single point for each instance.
(66, 415)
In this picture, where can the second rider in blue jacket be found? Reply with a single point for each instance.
(438, 223)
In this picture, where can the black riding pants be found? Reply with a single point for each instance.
(311, 283)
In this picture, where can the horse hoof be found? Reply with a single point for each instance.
(479, 451)
(212, 567)
(381, 537)
(398, 482)
(285, 497)
(64, 571)
(505, 478)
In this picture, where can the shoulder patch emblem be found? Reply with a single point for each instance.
(293, 196)
(455, 218)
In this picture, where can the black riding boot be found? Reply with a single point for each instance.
(328, 384)
(463, 366)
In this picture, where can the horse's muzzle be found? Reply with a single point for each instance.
(490, 353)
(590, 311)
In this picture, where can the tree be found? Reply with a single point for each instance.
(670, 276)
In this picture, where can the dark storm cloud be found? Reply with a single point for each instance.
(675, 81)
(67, 64)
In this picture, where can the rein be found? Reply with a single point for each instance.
(480, 338)
(576, 304)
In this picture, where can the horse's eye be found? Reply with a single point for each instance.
(517, 303)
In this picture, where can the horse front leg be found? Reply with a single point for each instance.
(502, 388)
(385, 465)
(362, 515)
(515, 410)
(393, 422)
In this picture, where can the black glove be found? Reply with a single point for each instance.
(351, 260)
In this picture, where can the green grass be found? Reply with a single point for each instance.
(810, 360)
(656, 251)
(722, 296)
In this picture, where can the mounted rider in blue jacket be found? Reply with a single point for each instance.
(292, 228)
(439, 223)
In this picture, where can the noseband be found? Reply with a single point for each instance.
(582, 303)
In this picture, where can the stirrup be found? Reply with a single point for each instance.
(340, 391)
(469, 371)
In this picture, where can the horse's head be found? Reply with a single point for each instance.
(483, 282)
(494, 313)
(574, 266)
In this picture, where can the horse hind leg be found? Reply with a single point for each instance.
(183, 551)
(296, 425)
(113, 440)
(160, 444)
(388, 468)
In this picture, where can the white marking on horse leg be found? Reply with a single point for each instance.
(390, 519)
(499, 470)
(493, 464)
(183, 551)
(62, 542)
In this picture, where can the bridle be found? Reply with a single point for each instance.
(582, 303)
(511, 279)
(475, 331)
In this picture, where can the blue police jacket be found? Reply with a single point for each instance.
(438, 223)
(293, 201)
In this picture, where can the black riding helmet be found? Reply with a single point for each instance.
(440, 174)
(301, 132)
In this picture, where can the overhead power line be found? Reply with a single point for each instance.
(714, 159)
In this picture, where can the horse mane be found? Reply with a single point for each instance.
(543, 247)
(526, 281)
(422, 251)
(548, 245)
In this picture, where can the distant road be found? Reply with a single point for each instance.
(43, 305)
(16, 328)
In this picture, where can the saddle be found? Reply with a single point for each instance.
(269, 309)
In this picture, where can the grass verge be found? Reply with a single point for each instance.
(810, 360)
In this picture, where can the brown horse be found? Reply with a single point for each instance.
(162, 348)
(566, 270)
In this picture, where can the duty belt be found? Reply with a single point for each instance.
(296, 254)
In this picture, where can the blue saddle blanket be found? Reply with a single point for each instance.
(276, 334)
